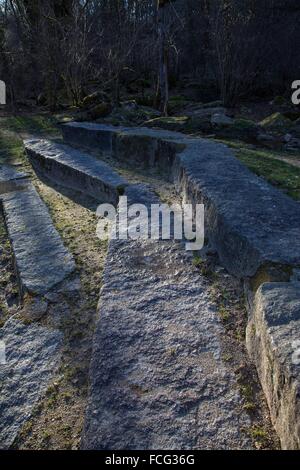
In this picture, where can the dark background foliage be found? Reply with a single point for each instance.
(61, 51)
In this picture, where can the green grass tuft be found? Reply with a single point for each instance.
(32, 124)
(280, 174)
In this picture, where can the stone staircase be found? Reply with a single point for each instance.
(157, 376)
(255, 230)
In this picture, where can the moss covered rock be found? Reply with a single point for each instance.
(95, 98)
(240, 129)
(212, 104)
(131, 114)
(276, 121)
(172, 123)
(199, 124)
(100, 110)
(220, 119)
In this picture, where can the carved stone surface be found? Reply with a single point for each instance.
(273, 342)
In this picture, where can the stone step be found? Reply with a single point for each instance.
(251, 224)
(157, 378)
(10, 178)
(273, 342)
(41, 259)
(30, 356)
(75, 169)
(8, 173)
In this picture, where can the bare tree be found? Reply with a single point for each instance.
(61, 47)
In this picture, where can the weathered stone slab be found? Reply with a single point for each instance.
(41, 259)
(8, 173)
(75, 169)
(250, 223)
(89, 135)
(32, 355)
(273, 342)
(11, 179)
(133, 145)
(157, 377)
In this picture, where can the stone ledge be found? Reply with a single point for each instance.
(41, 259)
(273, 343)
(32, 356)
(11, 179)
(157, 377)
(8, 173)
(250, 223)
(74, 169)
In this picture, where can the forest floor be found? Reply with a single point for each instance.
(57, 421)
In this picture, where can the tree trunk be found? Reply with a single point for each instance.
(163, 56)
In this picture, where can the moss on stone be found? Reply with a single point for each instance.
(100, 110)
(244, 124)
(270, 273)
(276, 120)
(94, 99)
(172, 123)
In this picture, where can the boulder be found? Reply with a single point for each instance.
(213, 104)
(246, 128)
(130, 105)
(266, 139)
(276, 121)
(199, 123)
(95, 98)
(173, 123)
(293, 144)
(100, 111)
(219, 119)
(241, 129)
(130, 113)
(204, 111)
